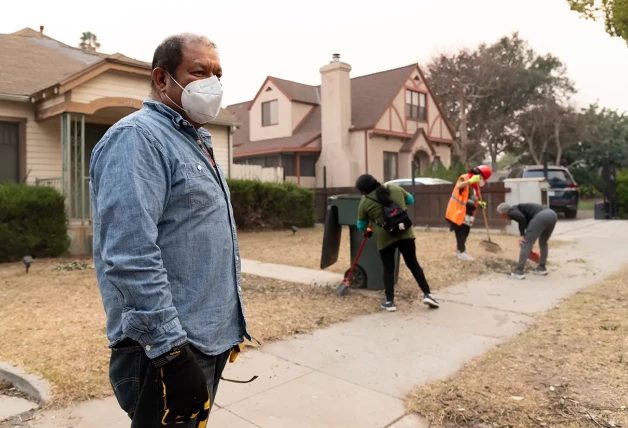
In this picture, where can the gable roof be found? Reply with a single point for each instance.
(38, 62)
(370, 96)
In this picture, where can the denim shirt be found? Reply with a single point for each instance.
(165, 243)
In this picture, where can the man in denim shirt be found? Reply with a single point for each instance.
(165, 245)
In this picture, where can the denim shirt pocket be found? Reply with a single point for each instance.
(201, 185)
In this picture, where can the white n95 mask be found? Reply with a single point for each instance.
(201, 99)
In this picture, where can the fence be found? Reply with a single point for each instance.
(50, 182)
(430, 204)
(256, 172)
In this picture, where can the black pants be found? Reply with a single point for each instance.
(407, 248)
(133, 378)
(462, 233)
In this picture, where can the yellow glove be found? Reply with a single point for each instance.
(235, 351)
(475, 179)
(482, 204)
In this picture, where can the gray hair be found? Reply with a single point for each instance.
(503, 208)
(169, 53)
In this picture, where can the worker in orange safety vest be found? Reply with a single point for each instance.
(462, 205)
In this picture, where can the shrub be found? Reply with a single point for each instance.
(258, 205)
(622, 193)
(32, 222)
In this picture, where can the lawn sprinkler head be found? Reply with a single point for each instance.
(28, 261)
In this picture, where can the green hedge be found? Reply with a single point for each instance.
(258, 205)
(622, 193)
(32, 222)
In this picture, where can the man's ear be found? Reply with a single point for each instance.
(159, 77)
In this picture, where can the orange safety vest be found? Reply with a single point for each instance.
(457, 206)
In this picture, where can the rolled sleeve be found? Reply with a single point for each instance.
(131, 182)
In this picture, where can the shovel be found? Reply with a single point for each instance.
(488, 245)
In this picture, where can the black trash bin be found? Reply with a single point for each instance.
(600, 211)
(369, 272)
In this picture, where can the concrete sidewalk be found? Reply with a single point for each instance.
(356, 374)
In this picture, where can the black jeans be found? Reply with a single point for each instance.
(133, 378)
(462, 233)
(407, 248)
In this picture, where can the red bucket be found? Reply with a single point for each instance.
(534, 256)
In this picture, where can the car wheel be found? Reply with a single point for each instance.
(571, 214)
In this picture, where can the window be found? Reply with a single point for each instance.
(416, 105)
(308, 166)
(554, 176)
(289, 164)
(390, 165)
(270, 113)
(9, 151)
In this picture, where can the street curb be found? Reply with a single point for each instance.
(33, 385)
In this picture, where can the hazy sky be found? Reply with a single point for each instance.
(293, 39)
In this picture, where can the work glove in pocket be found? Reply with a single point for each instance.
(183, 388)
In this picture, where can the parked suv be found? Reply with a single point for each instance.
(563, 190)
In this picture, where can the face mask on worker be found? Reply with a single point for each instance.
(201, 99)
(482, 182)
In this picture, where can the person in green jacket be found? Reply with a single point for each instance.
(371, 211)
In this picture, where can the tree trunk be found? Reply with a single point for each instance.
(559, 149)
(464, 134)
(530, 139)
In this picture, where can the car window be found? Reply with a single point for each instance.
(553, 175)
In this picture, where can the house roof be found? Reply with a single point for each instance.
(370, 97)
(303, 141)
(409, 144)
(38, 62)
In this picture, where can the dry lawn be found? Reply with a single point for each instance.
(569, 370)
(435, 251)
(53, 321)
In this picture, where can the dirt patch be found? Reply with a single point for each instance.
(53, 321)
(569, 370)
(435, 251)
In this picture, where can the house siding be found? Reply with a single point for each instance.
(43, 141)
(284, 125)
(220, 141)
(377, 146)
(112, 84)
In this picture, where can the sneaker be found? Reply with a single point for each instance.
(540, 270)
(430, 301)
(388, 306)
(464, 256)
(517, 275)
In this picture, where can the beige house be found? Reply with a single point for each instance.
(382, 124)
(56, 102)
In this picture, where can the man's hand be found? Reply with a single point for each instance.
(522, 242)
(183, 388)
(368, 233)
(482, 204)
(475, 179)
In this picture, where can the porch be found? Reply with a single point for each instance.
(79, 135)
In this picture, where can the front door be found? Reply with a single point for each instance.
(9, 151)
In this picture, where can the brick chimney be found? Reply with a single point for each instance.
(335, 123)
(41, 29)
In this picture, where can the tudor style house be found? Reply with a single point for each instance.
(382, 124)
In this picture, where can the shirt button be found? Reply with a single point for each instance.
(199, 167)
(184, 123)
(147, 347)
